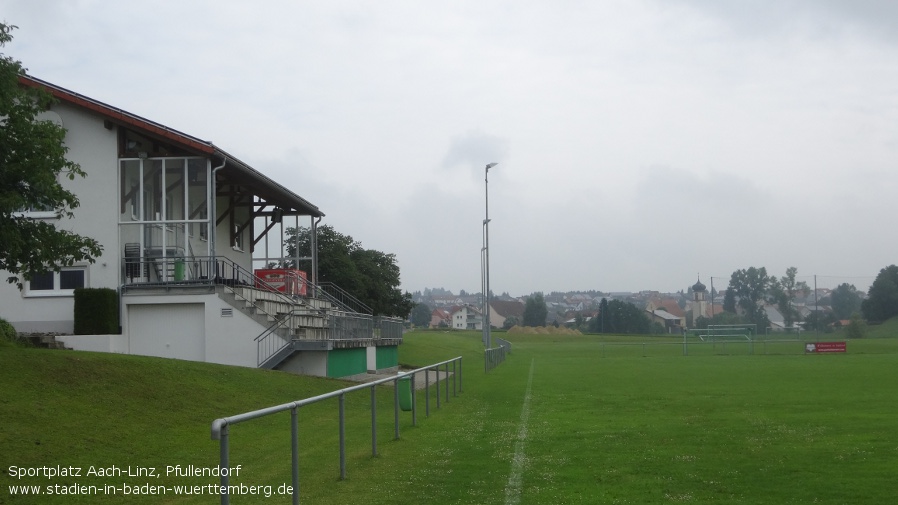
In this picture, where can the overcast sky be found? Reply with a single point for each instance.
(640, 143)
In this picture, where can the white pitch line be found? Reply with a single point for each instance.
(513, 489)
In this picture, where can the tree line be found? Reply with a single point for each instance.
(750, 289)
(371, 276)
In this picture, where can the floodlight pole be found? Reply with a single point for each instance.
(485, 318)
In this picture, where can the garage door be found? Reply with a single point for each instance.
(168, 330)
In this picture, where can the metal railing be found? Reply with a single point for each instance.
(270, 342)
(388, 327)
(350, 326)
(220, 426)
(351, 321)
(495, 356)
(342, 298)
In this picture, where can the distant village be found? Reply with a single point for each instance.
(675, 312)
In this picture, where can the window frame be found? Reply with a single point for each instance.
(27, 292)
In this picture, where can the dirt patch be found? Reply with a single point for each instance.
(543, 330)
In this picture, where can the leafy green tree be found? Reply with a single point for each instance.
(624, 317)
(750, 287)
(535, 311)
(600, 324)
(379, 278)
(369, 275)
(856, 328)
(720, 318)
(510, 321)
(882, 298)
(32, 157)
(729, 301)
(845, 301)
(420, 315)
(820, 321)
(783, 293)
(578, 321)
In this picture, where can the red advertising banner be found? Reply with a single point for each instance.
(826, 347)
(292, 282)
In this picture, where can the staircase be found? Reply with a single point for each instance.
(289, 323)
(43, 340)
(329, 318)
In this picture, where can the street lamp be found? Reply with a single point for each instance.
(485, 255)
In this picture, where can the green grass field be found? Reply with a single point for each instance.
(556, 423)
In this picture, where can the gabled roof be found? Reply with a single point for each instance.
(234, 170)
(668, 304)
(506, 309)
(663, 314)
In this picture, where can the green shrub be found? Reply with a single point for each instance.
(7, 332)
(96, 311)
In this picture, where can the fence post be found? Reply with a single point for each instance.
(294, 456)
(438, 385)
(460, 383)
(342, 437)
(447, 382)
(414, 402)
(427, 392)
(373, 422)
(396, 408)
(454, 376)
(223, 465)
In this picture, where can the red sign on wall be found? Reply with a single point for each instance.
(826, 347)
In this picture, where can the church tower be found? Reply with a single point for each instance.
(699, 303)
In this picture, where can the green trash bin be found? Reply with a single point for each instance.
(405, 393)
(179, 269)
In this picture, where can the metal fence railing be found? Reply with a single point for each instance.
(220, 426)
(388, 327)
(342, 298)
(493, 357)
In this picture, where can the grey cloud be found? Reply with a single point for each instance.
(473, 150)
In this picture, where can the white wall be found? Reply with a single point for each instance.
(224, 340)
(371, 358)
(307, 363)
(95, 343)
(93, 147)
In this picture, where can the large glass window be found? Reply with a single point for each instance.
(164, 212)
(175, 194)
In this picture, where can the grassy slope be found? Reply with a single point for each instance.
(730, 429)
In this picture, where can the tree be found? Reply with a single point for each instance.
(845, 301)
(820, 320)
(718, 319)
(369, 275)
(856, 328)
(578, 321)
(882, 298)
(729, 301)
(379, 280)
(618, 316)
(750, 287)
(510, 321)
(535, 311)
(420, 315)
(783, 292)
(32, 157)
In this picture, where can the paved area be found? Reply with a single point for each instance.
(432, 377)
